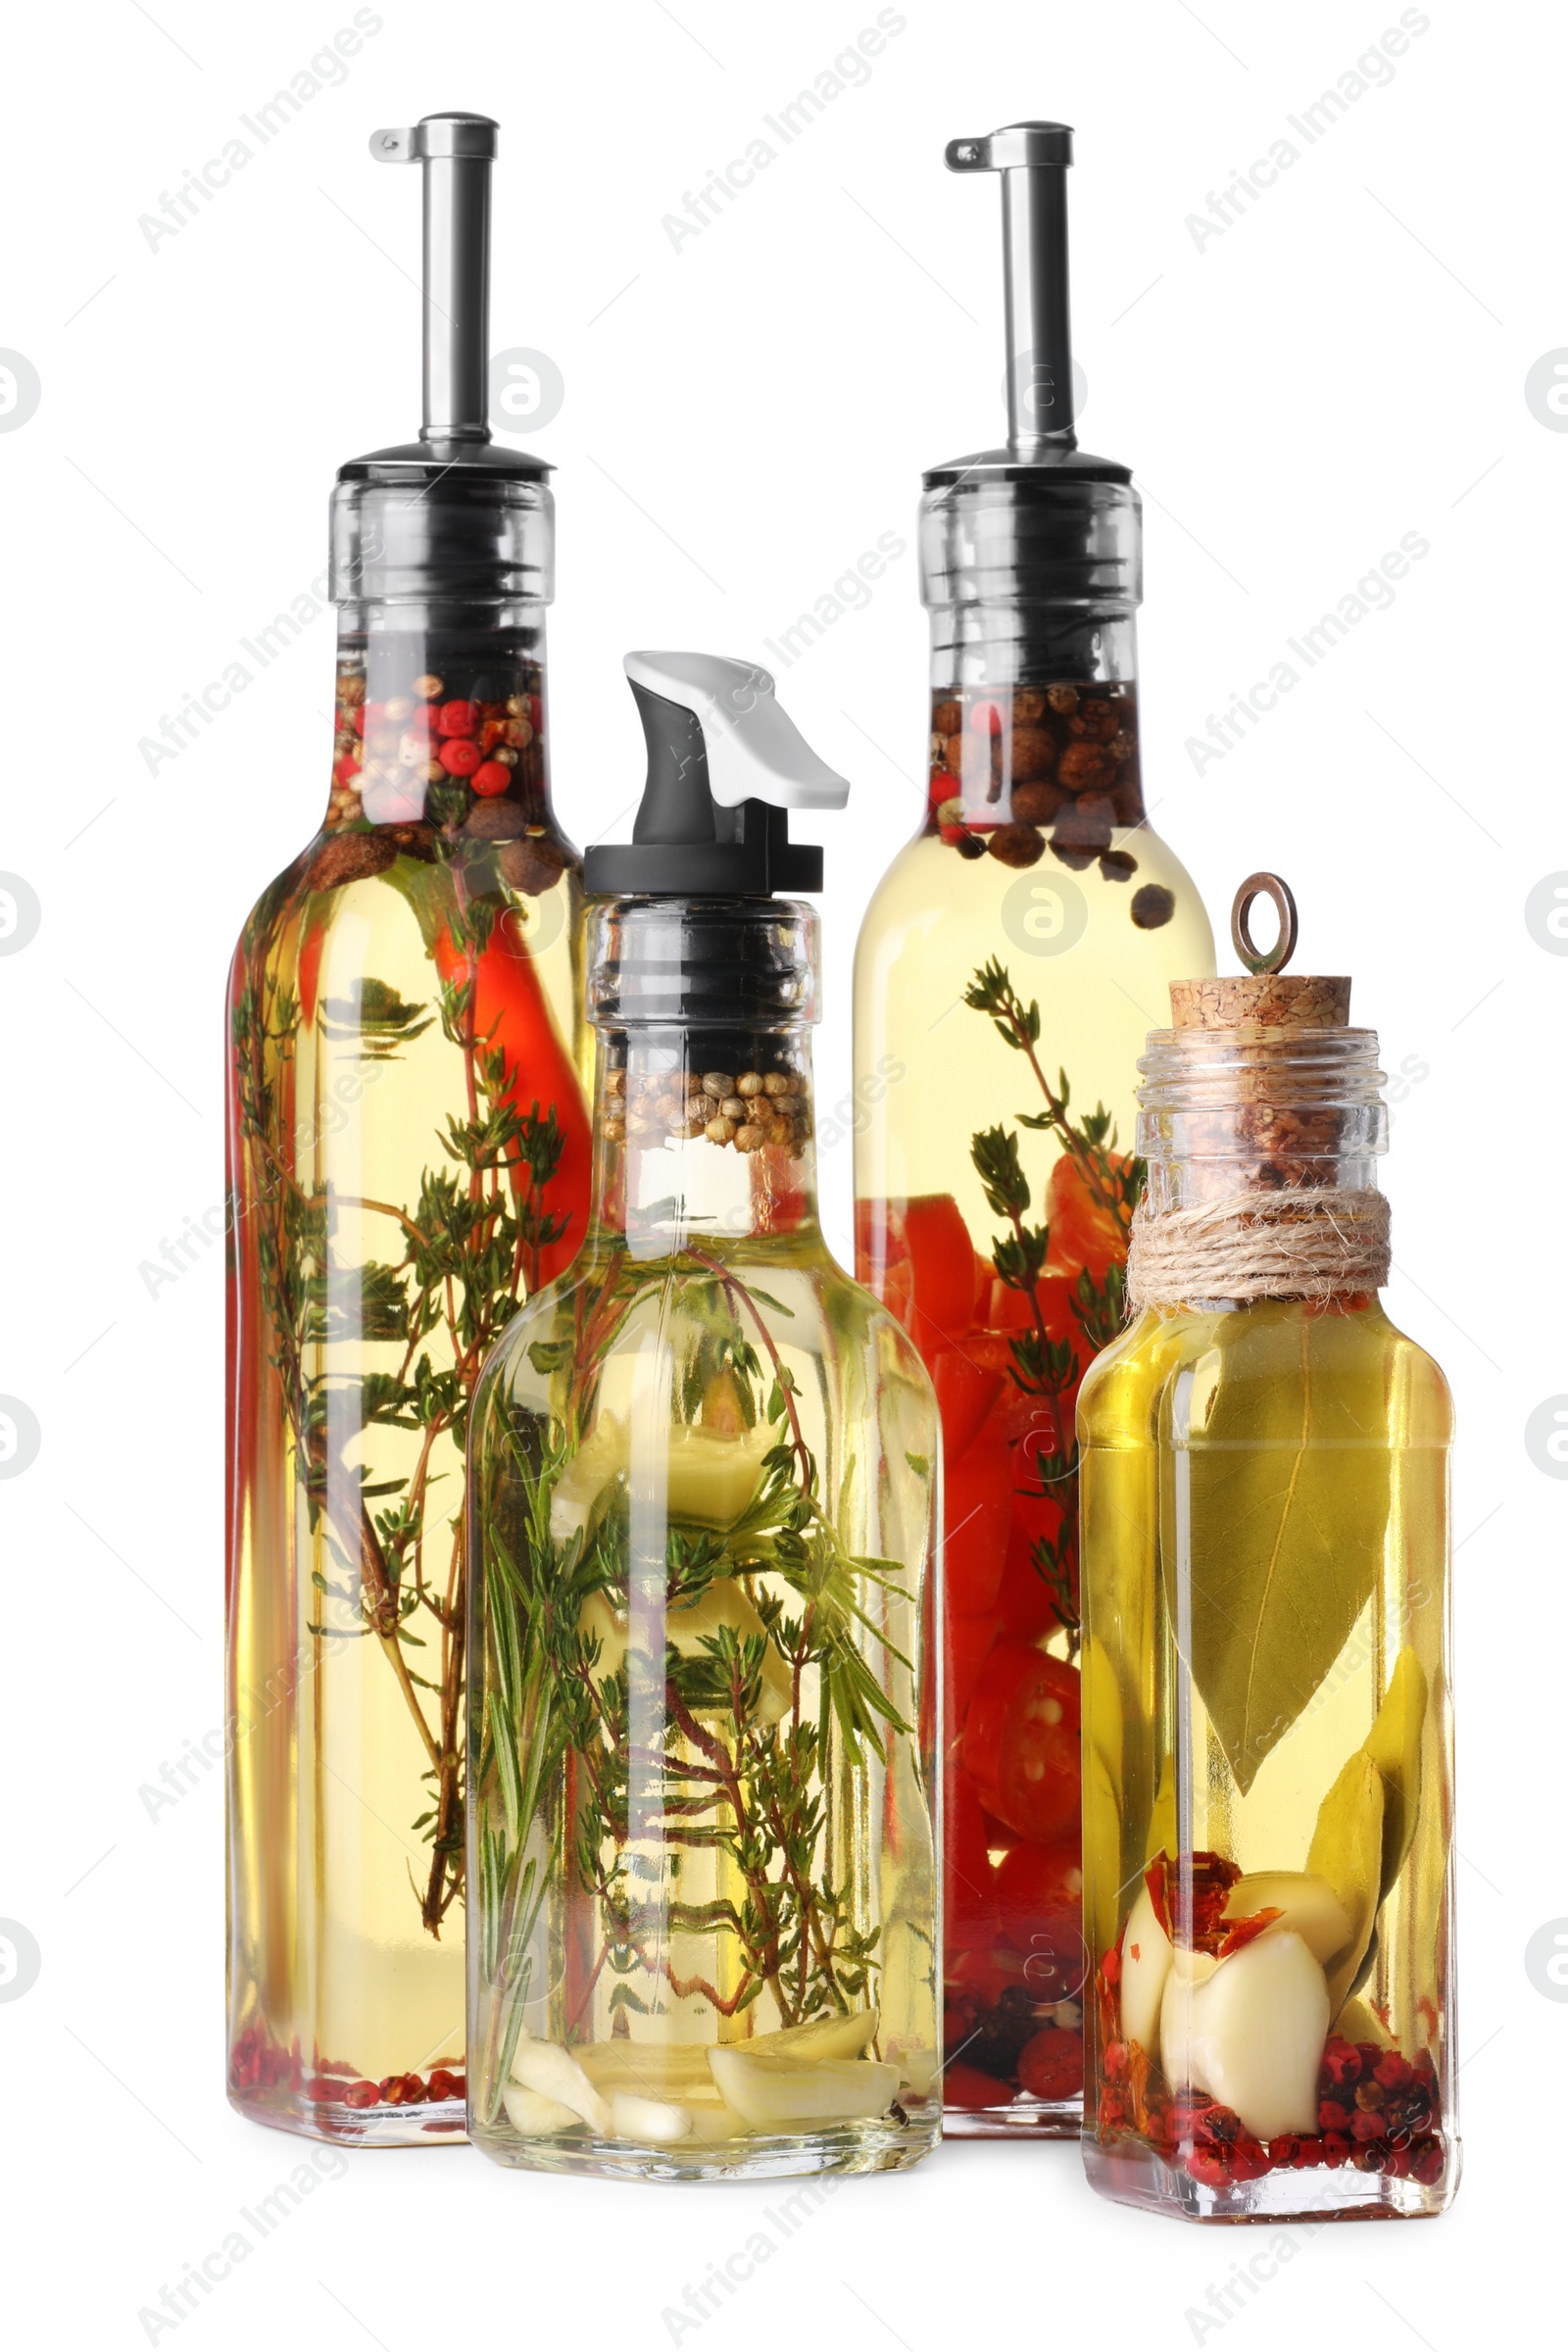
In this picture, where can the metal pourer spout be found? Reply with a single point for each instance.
(1033, 159)
(457, 152)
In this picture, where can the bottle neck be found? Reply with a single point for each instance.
(440, 719)
(703, 1138)
(1224, 1112)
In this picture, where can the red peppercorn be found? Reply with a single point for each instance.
(444, 2086)
(321, 2086)
(1249, 2160)
(1334, 2116)
(387, 2086)
(1366, 2124)
(489, 776)
(1336, 2149)
(455, 718)
(1393, 2072)
(1426, 2162)
(345, 769)
(1369, 2053)
(459, 757)
(360, 2094)
(1210, 2166)
(1341, 2061)
(1112, 2109)
(536, 712)
(1396, 2164)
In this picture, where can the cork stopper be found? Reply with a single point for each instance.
(1262, 998)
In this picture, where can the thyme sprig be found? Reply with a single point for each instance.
(1044, 1366)
(471, 1249)
(751, 1701)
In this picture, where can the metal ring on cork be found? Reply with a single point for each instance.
(1275, 959)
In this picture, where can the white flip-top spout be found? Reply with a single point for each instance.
(755, 750)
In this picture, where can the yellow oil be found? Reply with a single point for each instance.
(1264, 1496)
(337, 1976)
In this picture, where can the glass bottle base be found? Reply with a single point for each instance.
(382, 2125)
(882, 2146)
(1020, 2119)
(1130, 2173)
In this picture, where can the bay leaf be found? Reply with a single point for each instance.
(1275, 1485)
(1393, 1745)
(1346, 1851)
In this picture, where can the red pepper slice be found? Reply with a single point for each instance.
(1020, 1742)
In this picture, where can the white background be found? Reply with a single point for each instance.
(743, 417)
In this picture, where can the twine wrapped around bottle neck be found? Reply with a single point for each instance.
(1261, 1118)
(1314, 1242)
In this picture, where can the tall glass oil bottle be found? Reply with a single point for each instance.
(408, 1157)
(703, 1492)
(1003, 984)
(1267, 1800)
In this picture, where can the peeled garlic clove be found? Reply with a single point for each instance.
(545, 2067)
(1250, 2034)
(712, 1473)
(771, 2092)
(632, 2117)
(823, 2038)
(1145, 1957)
(671, 2070)
(1308, 1904)
(534, 2115)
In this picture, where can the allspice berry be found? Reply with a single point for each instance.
(1085, 767)
(1028, 707)
(494, 821)
(1095, 722)
(1033, 754)
(1037, 804)
(1085, 824)
(947, 718)
(1016, 845)
(1063, 699)
(1152, 905)
(1117, 864)
(350, 858)
(531, 864)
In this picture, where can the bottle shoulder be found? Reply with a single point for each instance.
(1269, 1370)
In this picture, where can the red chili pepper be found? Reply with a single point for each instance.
(360, 2094)
(510, 1012)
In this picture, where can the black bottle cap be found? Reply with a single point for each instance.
(725, 767)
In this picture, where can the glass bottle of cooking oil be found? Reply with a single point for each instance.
(408, 1157)
(1267, 1795)
(1009, 964)
(703, 1493)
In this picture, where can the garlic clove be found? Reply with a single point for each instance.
(1249, 2032)
(534, 2115)
(1308, 1904)
(676, 2072)
(632, 2117)
(551, 2069)
(1145, 1959)
(771, 2092)
(822, 2037)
